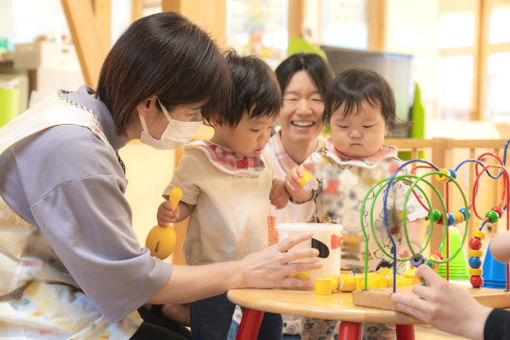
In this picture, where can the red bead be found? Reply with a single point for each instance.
(475, 243)
(498, 210)
(476, 281)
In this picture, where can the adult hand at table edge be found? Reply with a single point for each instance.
(271, 267)
(444, 306)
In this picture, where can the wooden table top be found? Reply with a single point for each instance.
(337, 306)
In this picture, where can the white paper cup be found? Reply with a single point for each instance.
(326, 238)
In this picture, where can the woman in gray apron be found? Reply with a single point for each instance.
(71, 266)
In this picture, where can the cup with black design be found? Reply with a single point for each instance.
(326, 239)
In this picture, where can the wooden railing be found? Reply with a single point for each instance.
(448, 153)
(442, 152)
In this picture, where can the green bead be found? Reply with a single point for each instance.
(434, 215)
(493, 216)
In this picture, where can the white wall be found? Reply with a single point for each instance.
(21, 21)
(412, 28)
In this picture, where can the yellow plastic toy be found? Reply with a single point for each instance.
(324, 285)
(161, 240)
(305, 276)
(346, 283)
(307, 181)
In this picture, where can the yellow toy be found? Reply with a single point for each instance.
(411, 274)
(161, 240)
(324, 286)
(307, 181)
(346, 283)
(305, 276)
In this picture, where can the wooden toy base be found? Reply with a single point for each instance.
(381, 298)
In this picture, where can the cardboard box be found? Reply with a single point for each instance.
(47, 55)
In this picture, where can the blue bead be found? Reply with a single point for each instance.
(463, 211)
(417, 260)
(475, 262)
(451, 219)
(452, 174)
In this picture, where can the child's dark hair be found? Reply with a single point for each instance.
(316, 66)
(254, 89)
(354, 86)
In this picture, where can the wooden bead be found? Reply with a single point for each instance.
(478, 233)
(492, 215)
(475, 253)
(475, 262)
(475, 243)
(434, 215)
(475, 271)
(417, 260)
(442, 178)
(476, 281)
(466, 213)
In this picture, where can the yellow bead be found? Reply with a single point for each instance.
(478, 233)
(475, 253)
(475, 271)
(442, 178)
(459, 217)
(323, 286)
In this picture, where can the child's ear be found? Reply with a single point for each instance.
(216, 121)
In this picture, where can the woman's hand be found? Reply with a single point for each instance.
(443, 305)
(272, 266)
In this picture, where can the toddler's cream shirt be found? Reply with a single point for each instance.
(231, 198)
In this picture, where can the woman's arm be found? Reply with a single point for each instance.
(268, 268)
(444, 306)
(500, 248)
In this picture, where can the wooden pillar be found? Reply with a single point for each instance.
(481, 60)
(376, 22)
(102, 13)
(442, 158)
(136, 9)
(296, 17)
(86, 38)
(209, 15)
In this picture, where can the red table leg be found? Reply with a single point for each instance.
(405, 332)
(349, 331)
(250, 324)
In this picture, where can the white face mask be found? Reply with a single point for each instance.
(177, 133)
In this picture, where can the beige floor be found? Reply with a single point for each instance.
(429, 333)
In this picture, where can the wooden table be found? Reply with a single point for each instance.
(337, 306)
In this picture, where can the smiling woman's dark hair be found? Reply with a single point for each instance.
(316, 66)
(165, 55)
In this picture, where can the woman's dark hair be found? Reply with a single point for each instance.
(316, 66)
(354, 86)
(165, 55)
(254, 89)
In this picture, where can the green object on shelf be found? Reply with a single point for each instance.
(297, 45)
(417, 118)
(459, 264)
(9, 104)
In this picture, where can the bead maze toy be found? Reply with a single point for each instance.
(161, 240)
(446, 219)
